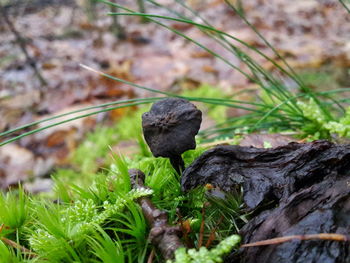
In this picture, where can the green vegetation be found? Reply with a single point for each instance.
(216, 112)
(205, 255)
(100, 221)
(92, 215)
(97, 143)
(320, 126)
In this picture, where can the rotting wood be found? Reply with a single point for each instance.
(307, 186)
(164, 236)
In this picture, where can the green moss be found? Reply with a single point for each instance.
(318, 126)
(96, 145)
(205, 255)
(216, 112)
(95, 217)
(130, 126)
(318, 79)
(8, 255)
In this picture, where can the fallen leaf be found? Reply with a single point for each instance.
(16, 164)
(262, 140)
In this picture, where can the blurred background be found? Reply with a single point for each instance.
(43, 43)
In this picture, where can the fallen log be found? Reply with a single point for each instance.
(307, 186)
(320, 208)
(271, 174)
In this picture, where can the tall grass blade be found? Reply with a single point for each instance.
(72, 112)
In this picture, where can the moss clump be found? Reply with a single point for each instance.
(205, 255)
(318, 125)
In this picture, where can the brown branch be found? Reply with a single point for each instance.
(151, 257)
(22, 44)
(201, 229)
(280, 240)
(117, 28)
(212, 234)
(162, 235)
(13, 244)
(186, 229)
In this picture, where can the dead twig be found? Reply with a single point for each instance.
(186, 229)
(165, 237)
(13, 244)
(280, 240)
(22, 44)
(151, 256)
(24, 250)
(212, 234)
(201, 229)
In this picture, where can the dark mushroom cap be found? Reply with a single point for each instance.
(170, 126)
